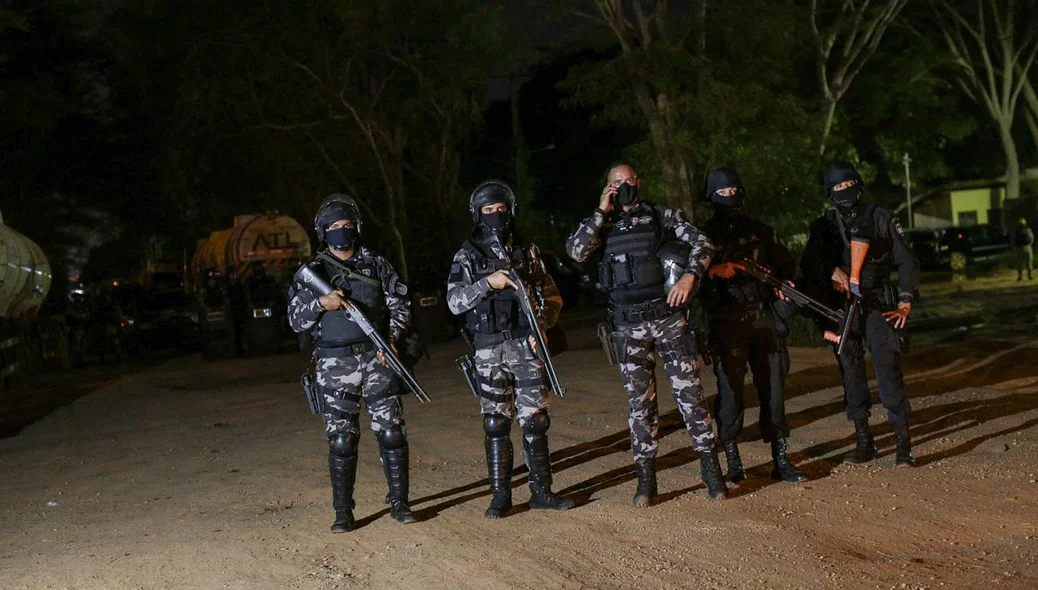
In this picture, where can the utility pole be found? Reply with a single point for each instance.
(908, 187)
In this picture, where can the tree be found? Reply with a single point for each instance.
(281, 105)
(855, 30)
(1031, 114)
(993, 49)
(648, 48)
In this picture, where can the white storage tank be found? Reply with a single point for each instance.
(25, 274)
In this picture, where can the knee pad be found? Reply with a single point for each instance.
(497, 425)
(344, 444)
(392, 438)
(538, 423)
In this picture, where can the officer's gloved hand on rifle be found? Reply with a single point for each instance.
(501, 280)
(899, 316)
(333, 301)
(781, 295)
(724, 270)
(841, 281)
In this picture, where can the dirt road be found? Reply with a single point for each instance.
(199, 475)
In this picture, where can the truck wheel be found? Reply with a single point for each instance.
(958, 261)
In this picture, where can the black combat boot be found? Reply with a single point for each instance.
(783, 469)
(343, 471)
(541, 496)
(731, 455)
(710, 471)
(395, 466)
(865, 450)
(499, 469)
(904, 456)
(647, 490)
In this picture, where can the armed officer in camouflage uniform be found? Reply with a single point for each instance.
(349, 369)
(512, 379)
(747, 324)
(647, 319)
(826, 265)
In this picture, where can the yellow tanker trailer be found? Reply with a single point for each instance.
(248, 317)
(278, 241)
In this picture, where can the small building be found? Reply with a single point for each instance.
(966, 203)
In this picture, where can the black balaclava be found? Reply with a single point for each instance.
(723, 178)
(847, 198)
(499, 223)
(342, 238)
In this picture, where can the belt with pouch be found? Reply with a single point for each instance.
(488, 340)
(345, 351)
(640, 312)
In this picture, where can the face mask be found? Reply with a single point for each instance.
(627, 194)
(847, 198)
(342, 238)
(499, 223)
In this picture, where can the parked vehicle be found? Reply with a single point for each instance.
(926, 244)
(962, 246)
(158, 319)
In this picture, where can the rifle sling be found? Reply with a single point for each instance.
(347, 271)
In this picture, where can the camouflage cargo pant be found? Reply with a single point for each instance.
(635, 345)
(344, 381)
(512, 380)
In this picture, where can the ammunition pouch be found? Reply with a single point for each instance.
(674, 350)
(626, 271)
(621, 343)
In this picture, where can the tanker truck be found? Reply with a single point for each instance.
(251, 264)
(25, 278)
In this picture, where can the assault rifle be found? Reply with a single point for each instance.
(799, 298)
(538, 334)
(321, 287)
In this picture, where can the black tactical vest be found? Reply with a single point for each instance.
(335, 328)
(630, 270)
(876, 271)
(738, 238)
(499, 311)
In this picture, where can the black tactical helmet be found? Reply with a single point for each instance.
(333, 208)
(722, 178)
(488, 193)
(674, 258)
